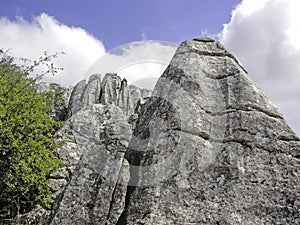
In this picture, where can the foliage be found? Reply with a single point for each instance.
(26, 130)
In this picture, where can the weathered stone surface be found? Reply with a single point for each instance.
(112, 90)
(60, 99)
(85, 94)
(210, 148)
(124, 98)
(138, 97)
(92, 184)
(76, 97)
(92, 91)
(116, 91)
(207, 147)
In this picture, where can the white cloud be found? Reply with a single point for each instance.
(136, 61)
(264, 35)
(44, 33)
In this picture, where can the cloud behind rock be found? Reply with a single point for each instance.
(45, 33)
(136, 61)
(263, 34)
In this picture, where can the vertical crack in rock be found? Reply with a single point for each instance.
(97, 136)
(110, 89)
(92, 90)
(94, 195)
(102, 134)
(118, 198)
(122, 220)
(119, 218)
(111, 203)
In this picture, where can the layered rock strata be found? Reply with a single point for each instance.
(210, 148)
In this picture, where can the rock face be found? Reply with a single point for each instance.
(207, 147)
(210, 148)
(91, 92)
(60, 99)
(96, 140)
(111, 91)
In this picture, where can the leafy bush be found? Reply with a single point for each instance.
(26, 144)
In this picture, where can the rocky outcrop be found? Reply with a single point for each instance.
(115, 91)
(91, 92)
(111, 91)
(91, 188)
(207, 147)
(210, 148)
(60, 99)
(84, 94)
(87, 188)
(138, 97)
(75, 103)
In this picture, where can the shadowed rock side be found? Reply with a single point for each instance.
(91, 93)
(210, 148)
(207, 147)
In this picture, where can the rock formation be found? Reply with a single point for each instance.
(207, 147)
(60, 99)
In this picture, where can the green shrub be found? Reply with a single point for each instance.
(26, 144)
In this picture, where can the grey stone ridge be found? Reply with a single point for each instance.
(111, 91)
(207, 147)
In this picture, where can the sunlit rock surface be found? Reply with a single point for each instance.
(206, 147)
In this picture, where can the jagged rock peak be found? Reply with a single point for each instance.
(92, 90)
(115, 91)
(85, 94)
(208, 147)
(75, 98)
(111, 90)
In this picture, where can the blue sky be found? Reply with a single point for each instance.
(118, 22)
(263, 34)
